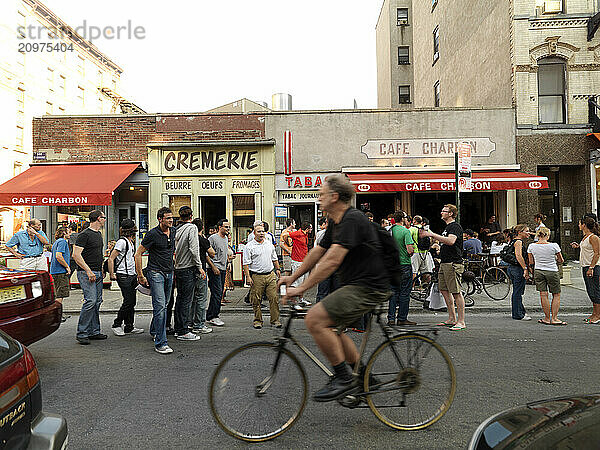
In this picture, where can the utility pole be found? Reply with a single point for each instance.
(456, 185)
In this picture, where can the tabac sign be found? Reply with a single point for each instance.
(424, 148)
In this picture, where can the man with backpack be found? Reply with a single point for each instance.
(401, 293)
(121, 267)
(352, 247)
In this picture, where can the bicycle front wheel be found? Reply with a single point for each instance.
(410, 382)
(496, 283)
(421, 286)
(257, 392)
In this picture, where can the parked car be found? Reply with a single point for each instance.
(28, 309)
(566, 422)
(23, 424)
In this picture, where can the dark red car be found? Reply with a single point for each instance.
(23, 424)
(28, 310)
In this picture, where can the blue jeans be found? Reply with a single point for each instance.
(216, 284)
(592, 284)
(515, 273)
(325, 288)
(401, 295)
(199, 303)
(185, 279)
(89, 318)
(161, 284)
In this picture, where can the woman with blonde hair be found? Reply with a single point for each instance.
(546, 256)
(589, 253)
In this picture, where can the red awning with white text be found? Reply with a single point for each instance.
(444, 181)
(65, 184)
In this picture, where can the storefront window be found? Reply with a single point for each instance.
(243, 216)
(176, 202)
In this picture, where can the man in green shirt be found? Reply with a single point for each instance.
(401, 294)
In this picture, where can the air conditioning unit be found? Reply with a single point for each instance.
(552, 6)
(402, 21)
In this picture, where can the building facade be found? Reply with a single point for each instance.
(540, 57)
(73, 78)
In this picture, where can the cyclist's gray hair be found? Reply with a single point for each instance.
(342, 186)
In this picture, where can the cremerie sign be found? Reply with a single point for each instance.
(424, 148)
(203, 161)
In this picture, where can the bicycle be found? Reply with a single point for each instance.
(423, 282)
(258, 391)
(493, 280)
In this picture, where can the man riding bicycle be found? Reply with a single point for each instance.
(351, 247)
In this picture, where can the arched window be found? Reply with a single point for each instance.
(551, 90)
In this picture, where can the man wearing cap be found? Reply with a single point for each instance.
(30, 246)
(187, 264)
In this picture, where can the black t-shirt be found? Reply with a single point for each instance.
(493, 227)
(363, 265)
(452, 253)
(92, 244)
(204, 246)
(161, 249)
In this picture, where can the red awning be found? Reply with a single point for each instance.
(65, 184)
(444, 181)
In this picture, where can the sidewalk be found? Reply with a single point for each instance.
(574, 299)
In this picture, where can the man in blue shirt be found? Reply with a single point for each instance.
(471, 245)
(30, 246)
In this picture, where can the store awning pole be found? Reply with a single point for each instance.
(456, 185)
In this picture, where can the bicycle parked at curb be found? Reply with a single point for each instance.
(258, 391)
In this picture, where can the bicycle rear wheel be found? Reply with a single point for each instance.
(250, 400)
(421, 286)
(496, 283)
(410, 382)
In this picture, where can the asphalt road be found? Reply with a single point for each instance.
(120, 394)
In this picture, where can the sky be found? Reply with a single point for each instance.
(197, 55)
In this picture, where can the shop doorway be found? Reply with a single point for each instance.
(475, 207)
(243, 217)
(212, 209)
(380, 205)
(304, 213)
(138, 212)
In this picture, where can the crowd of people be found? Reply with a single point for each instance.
(186, 272)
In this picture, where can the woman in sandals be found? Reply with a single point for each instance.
(545, 255)
(589, 252)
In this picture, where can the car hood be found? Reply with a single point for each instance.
(566, 422)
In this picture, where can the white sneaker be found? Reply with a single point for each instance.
(526, 317)
(136, 331)
(119, 331)
(216, 322)
(189, 336)
(305, 302)
(164, 350)
(205, 330)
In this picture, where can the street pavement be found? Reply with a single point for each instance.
(573, 299)
(120, 394)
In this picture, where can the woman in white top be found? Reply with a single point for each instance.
(546, 256)
(589, 252)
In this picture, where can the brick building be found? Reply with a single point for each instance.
(540, 57)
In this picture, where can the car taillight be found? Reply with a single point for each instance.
(33, 377)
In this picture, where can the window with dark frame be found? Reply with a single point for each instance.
(403, 94)
(403, 55)
(551, 90)
(436, 43)
(436, 94)
(402, 16)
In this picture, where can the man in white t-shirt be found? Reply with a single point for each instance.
(121, 267)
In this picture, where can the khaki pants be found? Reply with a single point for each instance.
(37, 263)
(264, 284)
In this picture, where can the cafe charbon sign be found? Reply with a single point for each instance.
(424, 148)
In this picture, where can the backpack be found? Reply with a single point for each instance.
(390, 253)
(508, 255)
(423, 243)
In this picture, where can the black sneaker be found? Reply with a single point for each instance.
(83, 341)
(335, 388)
(170, 331)
(97, 337)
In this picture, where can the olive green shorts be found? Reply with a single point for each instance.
(450, 276)
(547, 281)
(349, 303)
